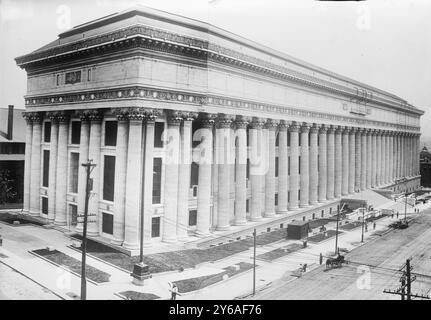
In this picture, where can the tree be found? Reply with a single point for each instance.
(6, 187)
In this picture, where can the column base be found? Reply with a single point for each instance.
(223, 228)
(304, 205)
(269, 214)
(313, 203)
(202, 234)
(79, 228)
(254, 219)
(241, 222)
(60, 222)
(170, 240)
(92, 233)
(331, 198)
(293, 208)
(117, 242)
(33, 213)
(130, 246)
(282, 211)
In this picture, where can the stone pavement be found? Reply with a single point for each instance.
(19, 240)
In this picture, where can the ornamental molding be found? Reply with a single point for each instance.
(137, 93)
(140, 36)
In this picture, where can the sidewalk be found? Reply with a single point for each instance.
(19, 240)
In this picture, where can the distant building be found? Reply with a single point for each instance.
(12, 149)
(425, 167)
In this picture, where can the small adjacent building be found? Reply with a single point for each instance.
(425, 167)
(12, 149)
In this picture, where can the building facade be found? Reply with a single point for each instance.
(194, 129)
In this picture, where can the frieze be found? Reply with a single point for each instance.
(187, 98)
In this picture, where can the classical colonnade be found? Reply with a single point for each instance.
(316, 163)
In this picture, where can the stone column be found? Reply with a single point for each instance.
(52, 166)
(387, 157)
(363, 171)
(379, 158)
(374, 159)
(338, 161)
(314, 173)
(258, 167)
(399, 155)
(417, 152)
(271, 126)
(61, 175)
(345, 164)
(282, 168)
(94, 154)
(322, 163)
(205, 181)
(120, 175)
(352, 150)
(132, 216)
(82, 172)
(35, 164)
(223, 161)
(330, 159)
(369, 158)
(410, 154)
(148, 172)
(241, 170)
(390, 157)
(383, 157)
(294, 159)
(402, 155)
(27, 162)
(171, 140)
(184, 174)
(304, 172)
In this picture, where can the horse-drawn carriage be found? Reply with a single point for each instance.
(335, 262)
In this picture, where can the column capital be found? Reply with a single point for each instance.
(360, 131)
(314, 128)
(224, 121)
(294, 126)
(33, 117)
(353, 130)
(257, 123)
(345, 129)
(58, 116)
(208, 119)
(121, 114)
(241, 122)
(271, 124)
(333, 129)
(93, 115)
(323, 128)
(305, 127)
(174, 117)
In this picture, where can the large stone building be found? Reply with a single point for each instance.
(196, 129)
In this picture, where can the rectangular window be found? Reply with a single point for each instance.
(276, 166)
(299, 165)
(155, 227)
(157, 180)
(248, 169)
(74, 167)
(193, 215)
(47, 132)
(248, 137)
(276, 199)
(45, 179)
(107, 223)
(76, 132)
(194, 174)
(44, 205)
(277, 140)
(89, 75)
(288, 138)
(111, 133)
(247, 204)
(158, 131)
(109, 178)
(299, 194)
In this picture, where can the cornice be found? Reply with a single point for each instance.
(145, 93)
(160, 40)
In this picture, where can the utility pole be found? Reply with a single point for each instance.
(405, 291)
(88, 166)
(363, 220)
(336, 230)
(254, 262)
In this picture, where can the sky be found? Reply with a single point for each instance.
(383, 43)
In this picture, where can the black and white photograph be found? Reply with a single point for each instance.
(231, 151)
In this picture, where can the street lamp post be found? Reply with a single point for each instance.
(363, 220)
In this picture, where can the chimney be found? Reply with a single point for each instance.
(10, 122)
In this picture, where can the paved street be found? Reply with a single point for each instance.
(384, 256)
(15, 286)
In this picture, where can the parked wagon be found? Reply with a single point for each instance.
(335, 262)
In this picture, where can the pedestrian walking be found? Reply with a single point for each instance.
(174, 292)
(374, 226)
(320, 258)
(398, 214)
